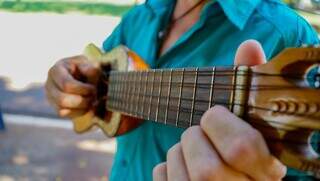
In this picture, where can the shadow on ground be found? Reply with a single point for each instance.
(31, 153)
(38, 151)
(31, 101)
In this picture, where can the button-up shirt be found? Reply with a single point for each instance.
(212, 41)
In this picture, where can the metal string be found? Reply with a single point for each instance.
(200, 112)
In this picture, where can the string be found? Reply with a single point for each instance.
(207, 85)
(294, 77)
(224, 102)
(186, 123)
(216, 72)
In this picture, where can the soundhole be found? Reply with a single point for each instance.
(102, 89)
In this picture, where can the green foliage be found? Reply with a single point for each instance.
(63, 7)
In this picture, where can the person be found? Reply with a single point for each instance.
(190, 33)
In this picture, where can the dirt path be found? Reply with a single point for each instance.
(35, 152)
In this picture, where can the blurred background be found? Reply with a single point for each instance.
(35, 144)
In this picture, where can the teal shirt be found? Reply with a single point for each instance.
(212, 41)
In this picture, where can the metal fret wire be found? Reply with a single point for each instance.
(144, 92)
(193, 96)
(139, 88)
(134, 76)
(197, 112)
(223, 102)
(157, 112)
(149, 112)
(127, 90)
(211, 87)
(225, 73)
(169, 93)
(179, 102)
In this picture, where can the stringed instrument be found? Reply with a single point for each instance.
(280, 98)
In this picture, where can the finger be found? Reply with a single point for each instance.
(90, 72)
(250, 53)
(202, 161)
(65, 100)
(245, 151)
(71, 113)
(176, 168)
(67, 83)
(67, 113)
(160, 172)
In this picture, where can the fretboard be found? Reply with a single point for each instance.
(177, 97)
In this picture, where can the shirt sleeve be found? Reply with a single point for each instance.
(305, 34)
(114, 39)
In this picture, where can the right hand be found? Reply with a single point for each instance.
(70, 86)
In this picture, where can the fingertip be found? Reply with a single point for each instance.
(250, 52)
(277, 169)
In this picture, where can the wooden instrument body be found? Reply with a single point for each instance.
(112, 123)
(275, 98)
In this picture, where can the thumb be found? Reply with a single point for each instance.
(250, 53)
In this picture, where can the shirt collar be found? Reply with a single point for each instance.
(237, 11)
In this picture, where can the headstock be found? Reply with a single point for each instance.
(284, 104)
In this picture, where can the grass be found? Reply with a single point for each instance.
(64, 7)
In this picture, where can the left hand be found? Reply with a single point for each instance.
(223, 147)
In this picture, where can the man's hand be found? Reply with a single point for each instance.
(70, 86)
(223, 147)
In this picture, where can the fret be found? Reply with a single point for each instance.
(180, 94)
(211, 87)
(128, 92)
(134, 93)
(202, 94)
(186, 98)
(144, 92)
(123, 87)
(168, 99)
(231, 101)
(193, 97)
(223, 85)
(113, 89)
(117, 90)
(174, 96)
(159, 95)
(240, 95)
(153, 72)
(139, 93)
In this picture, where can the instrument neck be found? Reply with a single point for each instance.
(177, 97)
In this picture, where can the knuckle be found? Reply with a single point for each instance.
(158, 169)
(61, 100)
(173, 150)
(243, 146)
(66, 85)
(208, 173)
(210, 114)
(190, 132)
